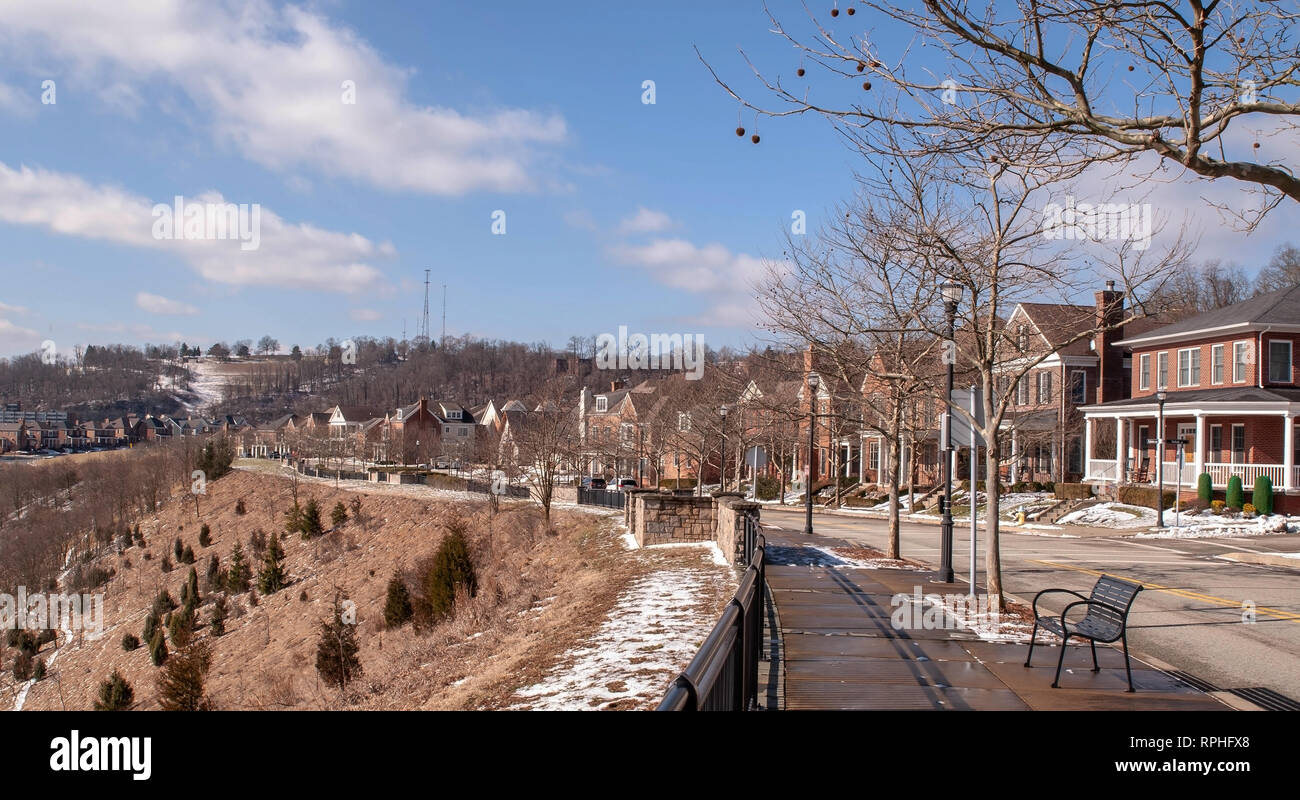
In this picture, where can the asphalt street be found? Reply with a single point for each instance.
(1195, 614)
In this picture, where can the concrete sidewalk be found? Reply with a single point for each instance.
(839, 650)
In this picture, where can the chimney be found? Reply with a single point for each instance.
(1111, 378)
(614, 386)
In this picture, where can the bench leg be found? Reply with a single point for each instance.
(1032, 637)
(1127, 669)
(1060, 662)
(1095, 668)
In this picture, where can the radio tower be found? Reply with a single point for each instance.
(424, 325)
(443, 340)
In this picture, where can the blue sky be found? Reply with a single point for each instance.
(617, 212)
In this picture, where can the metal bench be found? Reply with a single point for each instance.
(1105, 622)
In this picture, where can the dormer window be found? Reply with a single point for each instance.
(683, 421)
(1022, 338)
(453, 414)
(602, 403)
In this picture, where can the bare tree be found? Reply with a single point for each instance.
(1099, 80)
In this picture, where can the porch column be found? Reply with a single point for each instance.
(1120, 451)
(1087, 447)
(1198, 458)
(1288, 453)
(1015, 457)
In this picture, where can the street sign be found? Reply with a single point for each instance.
(961, 429)
(756, 457)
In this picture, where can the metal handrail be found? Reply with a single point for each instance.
(723, 675)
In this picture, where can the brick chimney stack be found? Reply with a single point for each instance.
(1110, 359)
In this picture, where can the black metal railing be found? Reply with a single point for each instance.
(601, 497)
(723, 676)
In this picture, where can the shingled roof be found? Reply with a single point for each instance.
(1278, 308)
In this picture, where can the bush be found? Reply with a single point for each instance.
(158, 647)
(239, 507)
(1072, 491)
(767, 488)
(130, 642)
(188, 555)
(1217, 506)
(1204, 487)
(339, 515)
(1194, 506)
(452, 568)
(1234, 495)
(22, 666)
(1046, 486)
(115, 694)
(1248, 509)
(219, 616)
(38, 673)
(166, 563)
(163, 603)
(397, 608)
(1147, 496)
(205, 535)
(178, 549)
(336, 651)
(1262, 497)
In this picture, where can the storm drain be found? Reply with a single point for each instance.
(1267, 698)
(1194, 682)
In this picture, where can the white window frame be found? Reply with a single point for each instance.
(1022, 391)
(1162, 369)
(1290, 364)
(1193, 367)
(1244, 349)
(1187, 430)
(1144, 371)
(602, 403)
(683, 421)
(1044, 387)
(1218, 364)
(1083, 384)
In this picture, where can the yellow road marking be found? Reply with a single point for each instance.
(1205, 598)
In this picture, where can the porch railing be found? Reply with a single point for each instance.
(1220, 473)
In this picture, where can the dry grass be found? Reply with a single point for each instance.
(542, 589)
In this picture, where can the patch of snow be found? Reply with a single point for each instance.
(650, 634)
(1111, 515)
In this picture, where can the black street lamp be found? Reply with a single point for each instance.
(951, 294)
(722, 465)
(813, 380)
(1160, 458)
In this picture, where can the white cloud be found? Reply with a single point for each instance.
(14, 339)
(365, 315)
(270, 81)
(290, 255)
(6, 308)
(14, 101)
(157, 304)
(645, 221)
(727, 278)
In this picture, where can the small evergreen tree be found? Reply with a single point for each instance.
(191, 589)
(188, 555)
(115, 694)
(1234, 494)
(178, 548)
(158, 647)
(239, 507)
(219, 616)
(38, 673)
(205, 535)
(22, 666)
(452, 568)
(166, 564)
(181, 626)
(309, 522)
(130, 642)
(238, 575)
(180, 686)
(1204, 488)
(336, 651)
(397, 608)
(339, 515)
(356, 507)
(273, 577)
(212, 578)
(163, 603)
(1262, 496)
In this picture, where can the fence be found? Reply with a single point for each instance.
(601, 497)
(723, 676)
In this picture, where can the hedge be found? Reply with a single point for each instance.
(1143, 496)
(1262, 497)
(1073, 491)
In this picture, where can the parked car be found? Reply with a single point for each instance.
(591, 483)
(624, 483)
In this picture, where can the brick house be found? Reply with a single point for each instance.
(1232, 394)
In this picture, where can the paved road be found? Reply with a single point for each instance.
(1191, 616)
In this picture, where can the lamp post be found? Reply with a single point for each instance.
(722, 462)
(813, 380)
(1160, 458)
(951, 294)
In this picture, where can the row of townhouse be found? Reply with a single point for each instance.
(422, 432)
(33, 431)
(1227, 386)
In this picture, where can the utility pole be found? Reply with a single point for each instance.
(424, 325)
(443, 340)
